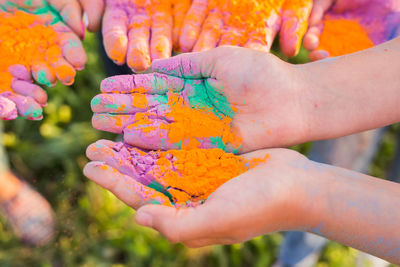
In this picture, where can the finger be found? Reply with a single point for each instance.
(71, 13)
(311, 39)
(93, 9)
(26, 106)
(210, 33)
(192, 65)
(139, 37)
(26, 88)
(152, 83)
(104, 151)
(192, 24)
(149, 134)
(161, 33)
(112, 123)
(184, 225)
(20, 72)
(71, 47)
(122, 186)
(43, 74)
(8, 110)
(180, 10)
(232, 36)
(63, 70)
(115, 36)
(318, 55)
(295, 16)
(126, 104)
(262, 39)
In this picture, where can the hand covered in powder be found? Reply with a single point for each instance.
(379, 19)
(66, 53)
(25, 97)
(233, 98)
(257, 202)
(137, 31)
(182, 178)
(252, 24)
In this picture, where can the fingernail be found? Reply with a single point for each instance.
(144, 219)
(85, 20)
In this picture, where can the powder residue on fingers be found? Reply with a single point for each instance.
(26, 40)
(343, 36)
(187, 177)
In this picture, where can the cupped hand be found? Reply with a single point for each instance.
(379, 19)
(185, 177)
(254, 24)
(256, 93)
(68, 55)
(262, 200)
(136, 32)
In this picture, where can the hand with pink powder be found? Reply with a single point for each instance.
(137, 31)
(254, 24)
(8, 110)
(214, 79)
(380, 19)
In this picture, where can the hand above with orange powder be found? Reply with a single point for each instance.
(367, 22)
(252, 24)
(44, 50)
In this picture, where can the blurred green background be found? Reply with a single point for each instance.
(93, 227)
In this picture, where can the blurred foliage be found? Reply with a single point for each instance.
(93, 227)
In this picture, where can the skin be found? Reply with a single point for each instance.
(351, 208)
(218, 70)
(380, 19)
(136, 32)
(206, 29)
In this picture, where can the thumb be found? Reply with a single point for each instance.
(180, 225)
(188, 65)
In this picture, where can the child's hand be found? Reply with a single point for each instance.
(380, 19)
(185, 177)
(128, 27)
(209, 24)
(262, 200)
(248, 90)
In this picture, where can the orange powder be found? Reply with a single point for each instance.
(248, 15)
(189, 124)
(192, 175)
(343, 36)
(25, 40)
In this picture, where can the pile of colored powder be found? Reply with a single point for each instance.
(186, 177)
(248, 15)
(189, 125)
(343, 36)
(25, 40)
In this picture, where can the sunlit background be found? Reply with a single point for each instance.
(93, 227)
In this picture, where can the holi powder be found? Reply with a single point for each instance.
(258, 12)
(26, 40)
(343, 36)
(190, 126)
(186, 177)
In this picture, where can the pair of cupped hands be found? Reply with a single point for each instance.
(137, 32)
